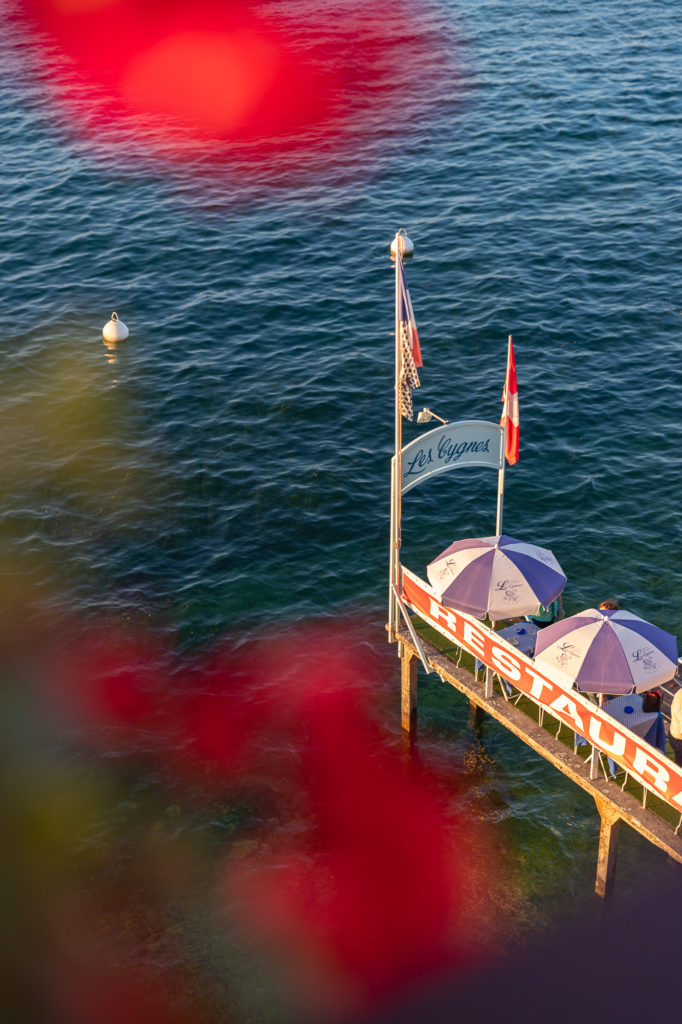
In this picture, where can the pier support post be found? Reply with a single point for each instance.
(608, 849)
(475, 718)
(408, 693)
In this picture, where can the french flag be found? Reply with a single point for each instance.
(510, 414)
(407, 318)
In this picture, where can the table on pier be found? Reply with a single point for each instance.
(522, 636)
(627, 709)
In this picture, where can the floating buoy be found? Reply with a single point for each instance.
(406, 245)
(115, 329)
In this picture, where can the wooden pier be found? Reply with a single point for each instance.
(416, 616)
(613, 804)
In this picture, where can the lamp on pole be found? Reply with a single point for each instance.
(425, 416)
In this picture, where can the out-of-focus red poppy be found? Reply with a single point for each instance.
(352, 864)
(222, 719)
(371, 896)
(112, 683)
(281, 79)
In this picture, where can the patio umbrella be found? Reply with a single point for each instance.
(496, 576)
(605, 651)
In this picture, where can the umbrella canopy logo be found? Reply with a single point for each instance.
(565, 652)
(507, 588)
(646, 658)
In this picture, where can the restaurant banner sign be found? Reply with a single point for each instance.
(649, 766)
(465, 443)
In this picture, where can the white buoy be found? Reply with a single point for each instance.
(115, 329)
(406, 245)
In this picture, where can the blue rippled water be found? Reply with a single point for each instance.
(228, 465)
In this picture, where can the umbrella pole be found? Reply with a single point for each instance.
(488, 690)
(594, 760)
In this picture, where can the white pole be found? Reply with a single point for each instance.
(488, 687)
(594, 759)
(500, 491)
(391, 573)
(500, 475)
(488, 691)
(396, 461)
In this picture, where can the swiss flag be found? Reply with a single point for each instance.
(510, 413)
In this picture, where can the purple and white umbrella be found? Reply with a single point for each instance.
(496, 576)
(604, 651)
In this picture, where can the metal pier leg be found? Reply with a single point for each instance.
(608, 850)
(408, 693)
(475, 719)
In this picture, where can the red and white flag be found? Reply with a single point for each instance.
(510, 412)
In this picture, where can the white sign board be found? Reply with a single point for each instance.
(465, 443)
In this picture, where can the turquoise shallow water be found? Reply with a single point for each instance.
(227, 467)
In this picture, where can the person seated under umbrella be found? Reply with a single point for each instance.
(545, 615)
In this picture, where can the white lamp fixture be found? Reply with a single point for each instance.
(426, 415)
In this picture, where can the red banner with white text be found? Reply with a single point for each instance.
(645, 763)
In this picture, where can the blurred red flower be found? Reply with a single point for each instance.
(289, 78)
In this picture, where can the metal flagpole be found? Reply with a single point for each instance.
(391, 572)
(500, 475)
(488, 691)
(396, 463)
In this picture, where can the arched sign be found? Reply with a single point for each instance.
(465, 443)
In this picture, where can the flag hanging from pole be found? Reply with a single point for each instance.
(407, 317)
(510, 412)
(410, 351)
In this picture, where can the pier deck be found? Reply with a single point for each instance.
(654, 823)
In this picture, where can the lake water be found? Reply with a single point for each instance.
(225, 471)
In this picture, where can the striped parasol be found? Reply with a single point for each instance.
(607, 651)
(496, 576)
